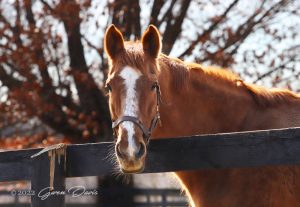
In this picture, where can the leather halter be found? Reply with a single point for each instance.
(156, 119)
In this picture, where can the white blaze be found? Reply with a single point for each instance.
(130, 107)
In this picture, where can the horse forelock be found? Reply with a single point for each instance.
(134, 56)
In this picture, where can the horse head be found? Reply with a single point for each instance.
(134, 94)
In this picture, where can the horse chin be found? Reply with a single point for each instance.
(131, 171)
(129, 168)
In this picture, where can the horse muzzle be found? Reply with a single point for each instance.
(131, 166)
(131, 160)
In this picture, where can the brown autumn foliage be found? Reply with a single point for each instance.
(52, 64)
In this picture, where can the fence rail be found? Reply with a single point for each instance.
(243, 149)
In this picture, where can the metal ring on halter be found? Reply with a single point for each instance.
(146, 132)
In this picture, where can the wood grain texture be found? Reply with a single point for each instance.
(243, 149)
(48, 177)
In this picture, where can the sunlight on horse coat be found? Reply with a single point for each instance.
(199, 100)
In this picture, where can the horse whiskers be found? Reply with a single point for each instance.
(119, 175)
(112, 158)
(111, 154)
(126, 178)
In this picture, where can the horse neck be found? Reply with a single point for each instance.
(194, 102)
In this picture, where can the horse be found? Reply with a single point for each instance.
(147, 87)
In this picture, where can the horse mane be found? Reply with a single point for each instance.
(272, 96)
(264, 97)
(178, 70)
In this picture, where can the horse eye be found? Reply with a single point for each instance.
(108, 87)
(154, 86)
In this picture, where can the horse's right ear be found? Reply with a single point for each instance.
(113, 42)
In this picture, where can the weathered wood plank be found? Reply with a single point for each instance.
(48, 177)
(16, 165)
(249, 149)
(93, 158)
(243, 149)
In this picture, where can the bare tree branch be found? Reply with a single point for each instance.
(156, 7)
(205, 35)
(173, 28)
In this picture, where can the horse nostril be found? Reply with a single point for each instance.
(141, 151)
(118, 150)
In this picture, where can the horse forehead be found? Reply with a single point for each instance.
(130, 75)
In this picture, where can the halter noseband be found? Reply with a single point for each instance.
(156, 119)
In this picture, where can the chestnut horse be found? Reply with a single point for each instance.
(146, 87)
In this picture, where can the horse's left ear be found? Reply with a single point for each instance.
(151, 41)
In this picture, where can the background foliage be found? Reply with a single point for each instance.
(52, 64)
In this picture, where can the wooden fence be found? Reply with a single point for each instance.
(244, 149)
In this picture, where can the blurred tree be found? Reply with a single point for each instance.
(52, 63)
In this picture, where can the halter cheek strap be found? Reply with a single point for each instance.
(156, 119)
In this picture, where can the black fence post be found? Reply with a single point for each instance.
(48, 177)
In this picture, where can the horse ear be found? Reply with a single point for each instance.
(113, 41)
(151, 41)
